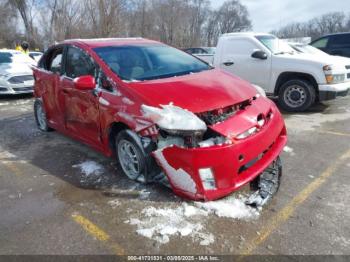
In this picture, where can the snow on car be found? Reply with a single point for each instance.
(16, 75)
(165, 115)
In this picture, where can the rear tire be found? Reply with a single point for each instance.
(40, 116)
(296, 95)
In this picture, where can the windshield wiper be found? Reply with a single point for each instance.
(283, 52)
(170, 75)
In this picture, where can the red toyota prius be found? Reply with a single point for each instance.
(165, 115)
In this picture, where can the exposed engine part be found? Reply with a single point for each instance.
(219, 115)
(213, 141)
(169, 141)
(267, 183)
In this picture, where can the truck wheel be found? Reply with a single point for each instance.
(40, 116)
(296, 95)
(130, 156)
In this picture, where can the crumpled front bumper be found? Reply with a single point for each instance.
(233, 165)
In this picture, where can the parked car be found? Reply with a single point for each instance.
(204, 53)
(298, 80)
(35, 55)
(334, 44)
(16, 75)
(154, 106)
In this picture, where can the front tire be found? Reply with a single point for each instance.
(40, 116)
(131, 158)
(296, 95)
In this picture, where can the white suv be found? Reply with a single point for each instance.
(299, 80)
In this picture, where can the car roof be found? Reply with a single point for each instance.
(102, 42)
(12, 51)
(249, 34)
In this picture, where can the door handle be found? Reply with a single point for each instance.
(65, 91)
(228, 63)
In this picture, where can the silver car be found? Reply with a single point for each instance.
(16, 75)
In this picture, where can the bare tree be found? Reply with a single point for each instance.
(27, 10)
(181, 23)
(9, 33)
(326, 24)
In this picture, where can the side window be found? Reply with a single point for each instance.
(103, 82)
(239, 47)
(321, 43)
(78, 63)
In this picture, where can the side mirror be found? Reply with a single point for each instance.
(259, 54)
(85, 83)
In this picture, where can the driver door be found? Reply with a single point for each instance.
(81, 114)
(237, 59)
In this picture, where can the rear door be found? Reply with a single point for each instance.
(339, 45)
(81, 113)
(237, 59)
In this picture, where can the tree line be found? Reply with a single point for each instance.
(333, 22)
(182, 23)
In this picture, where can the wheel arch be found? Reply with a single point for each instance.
(287, 76)
(113, 130)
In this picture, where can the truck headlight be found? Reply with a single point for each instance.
(332, 78)
(207, 177)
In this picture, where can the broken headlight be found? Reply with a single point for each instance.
(175, 121)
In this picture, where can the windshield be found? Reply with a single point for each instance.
(275, 45)
(209, 50)
(8, 58)
(149, 62)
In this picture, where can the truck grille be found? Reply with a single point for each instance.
(20, 79)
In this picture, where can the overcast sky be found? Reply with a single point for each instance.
(267, 15)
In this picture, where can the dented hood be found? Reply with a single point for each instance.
(199, 92)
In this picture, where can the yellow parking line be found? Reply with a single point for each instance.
(284, 214)
(98, 233)
(334, 133)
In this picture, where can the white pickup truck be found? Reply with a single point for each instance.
(298, 80)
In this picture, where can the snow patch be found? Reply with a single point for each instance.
(173, 117)
(92, 174)
(90, 167)
(179, 178)
(114, 203)
(160, 224)
(230, 208)
(289, 150)
(189, 220)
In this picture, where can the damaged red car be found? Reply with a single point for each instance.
(165, 115)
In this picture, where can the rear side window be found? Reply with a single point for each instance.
(79, 63)
(321, 43)
(339, 40)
